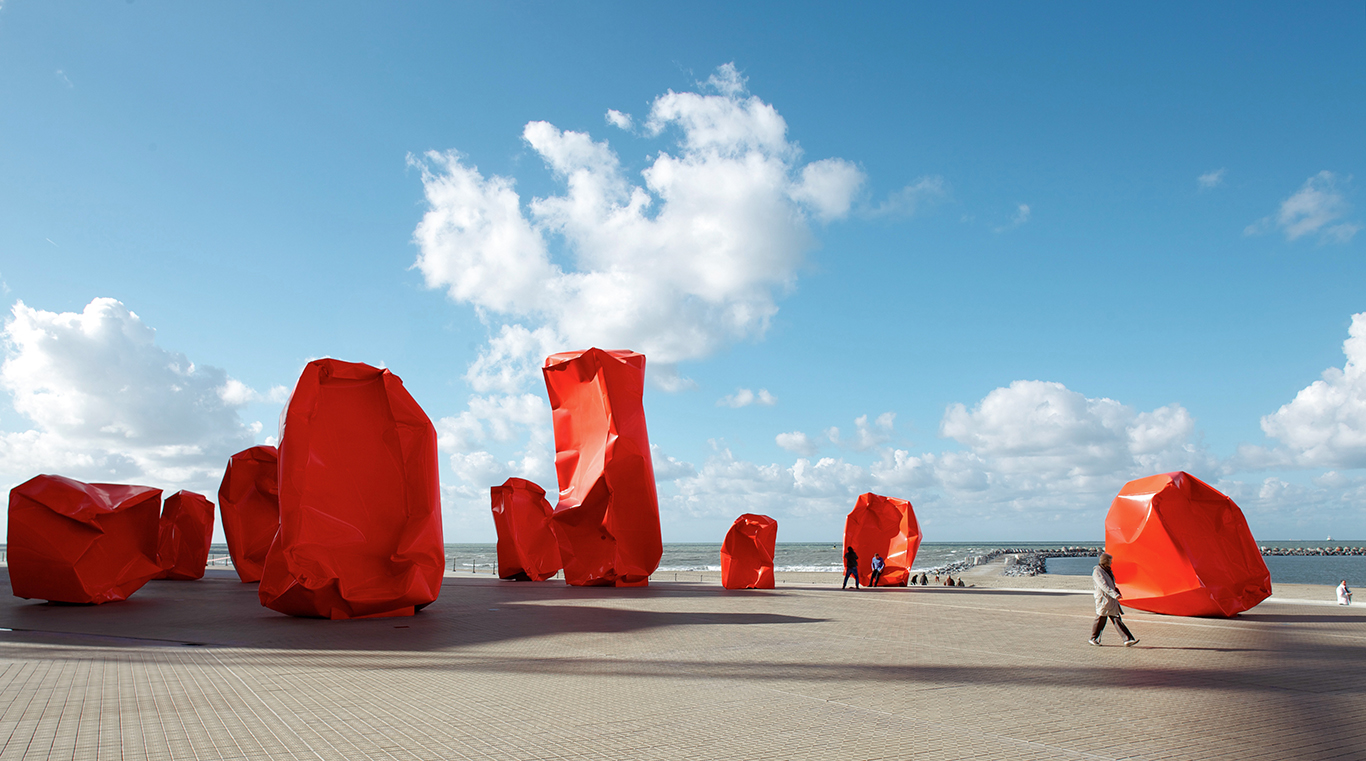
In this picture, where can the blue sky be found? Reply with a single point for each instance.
(1036, 251)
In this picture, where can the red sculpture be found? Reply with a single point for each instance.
(249, 500)
(360, 506)
(186, 529)
(527, 549)
(607, 519)
(81, 543)
(1182, 548)
(885, 526)
(747, 553)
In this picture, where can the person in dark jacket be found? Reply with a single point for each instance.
(850, 567)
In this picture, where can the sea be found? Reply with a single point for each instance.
(826, 557)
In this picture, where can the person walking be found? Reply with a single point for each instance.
(1344, 594)
(878, 564)
(1107, 603)
(850, 567)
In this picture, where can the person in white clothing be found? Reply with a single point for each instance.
(1344, 594)
(1107, 603)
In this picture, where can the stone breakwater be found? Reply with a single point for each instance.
(1034, 562)
(1314, 551)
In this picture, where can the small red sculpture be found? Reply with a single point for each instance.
(249, 500)
(360, 505)
(747, 553)
(885, 526)
(81, 543)
(527, 548)
(186, 529)
(607, 519)
(1182, 548)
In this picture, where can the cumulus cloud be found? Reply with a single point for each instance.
(744, 397)
(619, 120)
(690, 256)
(1325, 424)
(1316, 209)
(1211, 179)
(109, 404)
(797, 442)
(913, 198)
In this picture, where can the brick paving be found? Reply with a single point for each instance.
(501, 670)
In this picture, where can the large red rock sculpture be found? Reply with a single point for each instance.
(747, 553)
(1182, 548)
(81, 543)
(885, 526)
(607, 519)
(360, 506)
(249, 501)
(186, 529)
(527, 548)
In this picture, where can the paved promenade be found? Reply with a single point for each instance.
(500, 670)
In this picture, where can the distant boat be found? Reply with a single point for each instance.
(1329, 539)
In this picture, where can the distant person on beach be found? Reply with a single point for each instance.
(850, 567)
(948, 581)
(960, 581)
(1344, 594)
(1107, 603)
(878, 564)
(936, 578)
(924, 579)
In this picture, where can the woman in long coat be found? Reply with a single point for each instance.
(1107, 603)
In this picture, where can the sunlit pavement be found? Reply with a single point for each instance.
(502, 670)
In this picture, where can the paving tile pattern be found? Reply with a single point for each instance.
(500, 670)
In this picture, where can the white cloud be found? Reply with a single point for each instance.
(797, 442)
(62, 77)
(619, 120)
(690, 259)
(744, 397)
(109, 404)
(1325, 424)
(911, 199)
(1021, 216)
(1211, 179)
(1312, 210)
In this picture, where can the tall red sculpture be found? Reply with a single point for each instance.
(885, 526)
(185, 531)
(747, 553)
(607, 519)
(81, 543)
(527, 548)
(1182, 548)
(249, 500)
(360, 506)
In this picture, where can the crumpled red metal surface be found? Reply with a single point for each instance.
(527, 548)
(360, 504)
(747, 553)
(185, 531)
(607, 518)
(249, 501)
(81, 543)
(885, 526)
(1182, 548)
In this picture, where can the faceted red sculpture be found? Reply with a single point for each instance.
(360, 506)
(885, 526)
(249, 500)
(527, 549)
(186, 529)
(607, 519)
(81, 543)
(747, 553)
(1182, 548)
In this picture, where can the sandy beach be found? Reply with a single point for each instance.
(678, 670)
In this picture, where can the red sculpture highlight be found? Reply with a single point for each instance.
(185, 531)
(1182, 548)
(885, 526)
(747, 553)
(607, 519)
(360, 506)
(527, 548)
(249, 501)
(81, 543)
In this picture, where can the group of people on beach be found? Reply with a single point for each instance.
(878, 564)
